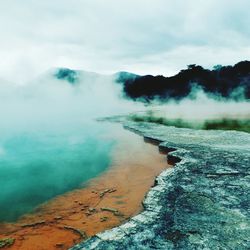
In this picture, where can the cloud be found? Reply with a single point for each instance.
(147, 36)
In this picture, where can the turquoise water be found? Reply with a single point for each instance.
(37, 166)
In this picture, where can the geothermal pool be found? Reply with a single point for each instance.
(37, 166)
(63, 183)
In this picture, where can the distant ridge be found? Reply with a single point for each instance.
(73, 76)
(222, 80)
(226, 81)
(123, 76)
(67, 74)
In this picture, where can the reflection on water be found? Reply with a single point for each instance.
(37, 166)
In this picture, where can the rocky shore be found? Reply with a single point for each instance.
(203, 203)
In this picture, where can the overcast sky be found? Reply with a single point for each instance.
(141, 36)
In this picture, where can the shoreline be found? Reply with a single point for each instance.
(105, 202)
(197, 204)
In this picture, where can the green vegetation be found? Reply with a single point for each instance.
(219, 124)
(228, 124)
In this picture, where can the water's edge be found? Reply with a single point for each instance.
(78, 214)
(201, 203)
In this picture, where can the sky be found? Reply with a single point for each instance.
(106, 36)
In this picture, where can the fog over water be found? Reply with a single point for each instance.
(49, 141)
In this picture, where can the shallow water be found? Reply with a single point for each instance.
(37, 166)
(133, 167)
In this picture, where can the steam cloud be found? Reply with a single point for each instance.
(200, 110)
(49, 142)
(199, 105)
(53, 103)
